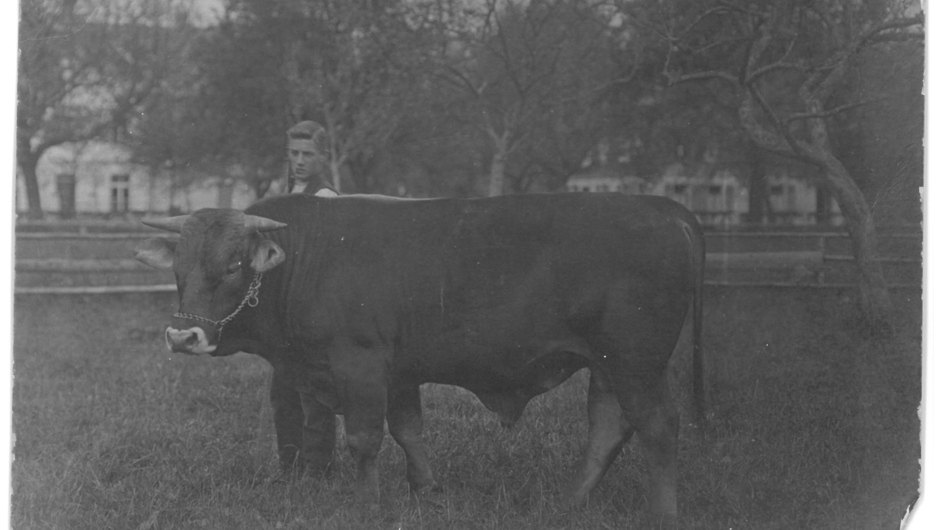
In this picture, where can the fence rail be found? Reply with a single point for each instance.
(85, 235)
(79, 265)
(83, 262)
(840, 257)
(171, 288)
(97, 289)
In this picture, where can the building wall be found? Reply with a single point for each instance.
(95, 165)
(606, 182)
(718, 199)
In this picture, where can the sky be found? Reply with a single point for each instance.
(210, 9)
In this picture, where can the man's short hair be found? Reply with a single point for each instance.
(310, 130)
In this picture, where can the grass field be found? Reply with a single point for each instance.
(815, 426)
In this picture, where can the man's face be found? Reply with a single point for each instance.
(304, 158)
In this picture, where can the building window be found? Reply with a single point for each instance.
(65, 184)
(602, 187)
(679, 189)
(776, 189)
(714, 190)
(120, 193)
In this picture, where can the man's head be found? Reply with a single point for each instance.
(306, 148)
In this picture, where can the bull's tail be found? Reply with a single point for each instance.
(697, 243)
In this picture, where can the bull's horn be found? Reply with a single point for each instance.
(262, 224)
(170, 224)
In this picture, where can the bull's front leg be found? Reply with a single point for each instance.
(405, 424)
(319, 435)
(288, 420)
(306, 429)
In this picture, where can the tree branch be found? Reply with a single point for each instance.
(794, 147)
(462, 81)
(675, 79)
(898, 23)
(781, 64)
(739, 9)
(833, 111)
(764, 70)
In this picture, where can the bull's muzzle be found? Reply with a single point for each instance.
(191, 341)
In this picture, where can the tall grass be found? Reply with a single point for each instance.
(815, 426)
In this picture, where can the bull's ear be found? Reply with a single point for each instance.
(266, 255)
(156, 251)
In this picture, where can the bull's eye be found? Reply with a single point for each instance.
(234, 268)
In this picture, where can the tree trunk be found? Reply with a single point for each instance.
(28, 164)
(497, 173)
(498, 163)
(757, 203)
(874, 297)
(335, 174)
(823, 205)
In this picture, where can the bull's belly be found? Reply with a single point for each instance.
(506, 379)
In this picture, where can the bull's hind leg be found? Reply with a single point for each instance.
(405, 424)
(360, 382)
(639, 331)
(607, 433)
(649, 409)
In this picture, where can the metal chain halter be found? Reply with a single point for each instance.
(251, 299)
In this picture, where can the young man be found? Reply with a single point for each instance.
(306, 144)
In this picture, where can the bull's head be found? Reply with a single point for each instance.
(218, 262)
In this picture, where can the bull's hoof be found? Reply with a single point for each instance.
(426, 488)
(574, 501)
(663, 522)
(365, 515)
(319, 472)
(298, 472)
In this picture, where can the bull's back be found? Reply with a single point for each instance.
(478, 276)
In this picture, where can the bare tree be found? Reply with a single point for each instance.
(791, 66)
(528, 76)
(345, 64)
(84, 68)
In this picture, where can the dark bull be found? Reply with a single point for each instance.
(356, 301)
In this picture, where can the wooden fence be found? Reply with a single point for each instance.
(99, 263)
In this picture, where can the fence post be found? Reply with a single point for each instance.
(821, 277)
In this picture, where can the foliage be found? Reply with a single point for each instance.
(881, 142)
(788, 66)
(347, 65)
(480, 97)
(85, 69)
(530, 79)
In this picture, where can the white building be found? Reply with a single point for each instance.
(608, 179)
(716, 196)
(100, 178)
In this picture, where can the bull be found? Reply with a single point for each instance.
(358, 300)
